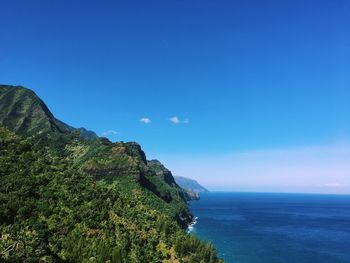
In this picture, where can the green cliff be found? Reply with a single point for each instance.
(23, 112)
(191, 187)
(68, 196)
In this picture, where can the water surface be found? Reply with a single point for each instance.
(275, 228)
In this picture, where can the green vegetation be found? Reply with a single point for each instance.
(23, 112)
(191, 187)
(68, 198)
(191, 184)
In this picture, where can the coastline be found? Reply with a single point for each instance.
(191, 226)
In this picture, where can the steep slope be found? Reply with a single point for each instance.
(191, 187)
(53, 212)
(162, 171)
(23, 112)
(64, 198)
(188, 183)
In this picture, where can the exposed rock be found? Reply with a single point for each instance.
(162, 171)
(191, 187)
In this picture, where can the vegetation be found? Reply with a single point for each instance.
(192, 188)
(65, 198)
(191, 184)
(24, 113)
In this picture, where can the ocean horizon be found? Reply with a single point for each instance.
(253, 227)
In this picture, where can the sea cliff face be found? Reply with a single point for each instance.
(68, 195)
(192, 188)
(191, 195)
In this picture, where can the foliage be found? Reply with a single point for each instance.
(54, 209)
(23, 112)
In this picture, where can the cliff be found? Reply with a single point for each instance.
(67, 195)
(191, 187)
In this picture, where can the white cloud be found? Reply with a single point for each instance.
(175, 120)
(109, 132)
(145, 120)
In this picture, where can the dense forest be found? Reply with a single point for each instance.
(67, 195)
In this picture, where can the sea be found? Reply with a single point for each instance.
(274, 227)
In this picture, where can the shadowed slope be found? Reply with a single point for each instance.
(23, 112)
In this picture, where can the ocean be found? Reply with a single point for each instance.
(275, 228)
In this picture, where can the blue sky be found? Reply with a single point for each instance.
(240, 76)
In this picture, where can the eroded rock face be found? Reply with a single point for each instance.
(192, 188)
(162, 171)
(135, 149)
(191, 195)
(190, 184)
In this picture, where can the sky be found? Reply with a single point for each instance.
(243, 95)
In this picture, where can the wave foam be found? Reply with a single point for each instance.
(191, 226)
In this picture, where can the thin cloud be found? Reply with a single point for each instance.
(109, 132)
(145, 120)
(176, 120)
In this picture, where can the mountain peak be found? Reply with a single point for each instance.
(23, 112)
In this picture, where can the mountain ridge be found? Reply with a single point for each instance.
(68, 198)
(189, 183)
(23, 112)
(191, 187)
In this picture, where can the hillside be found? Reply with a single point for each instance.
(23, 112)
(190, 184)
(69, 197)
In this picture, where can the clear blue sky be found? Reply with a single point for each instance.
(241, 76)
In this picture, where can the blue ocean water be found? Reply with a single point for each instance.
(275, 228)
